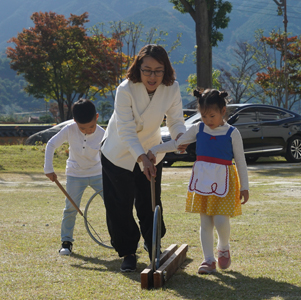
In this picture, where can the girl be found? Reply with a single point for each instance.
(214, 189)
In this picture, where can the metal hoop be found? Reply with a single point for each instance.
(156, 242)
(96, 236)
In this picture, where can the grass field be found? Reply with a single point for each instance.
(265, 240)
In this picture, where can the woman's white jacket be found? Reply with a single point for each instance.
(135, 124)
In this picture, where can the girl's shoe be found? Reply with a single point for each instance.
(207, 268)
(224, 259)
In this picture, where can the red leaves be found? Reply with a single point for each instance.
(274, 78)
(59, 60)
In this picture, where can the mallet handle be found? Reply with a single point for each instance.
(153, 193)
(68, 196)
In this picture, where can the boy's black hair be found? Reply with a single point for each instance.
(211, 99)
(83, 111)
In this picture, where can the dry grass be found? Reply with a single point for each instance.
(265, 243)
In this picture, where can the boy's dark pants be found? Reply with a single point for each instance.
(122, 189)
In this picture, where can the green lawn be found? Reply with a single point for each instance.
(265, 240)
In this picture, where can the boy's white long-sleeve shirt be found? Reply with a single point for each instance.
(84, 151)
(190, 137)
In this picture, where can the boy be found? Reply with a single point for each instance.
(83, 166)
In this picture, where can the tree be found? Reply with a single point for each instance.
(105, 109)
(239, 79)
(60, 61)
(192, 81)
(272, 79)
(129, 35)
(192, 85)
(209, 16)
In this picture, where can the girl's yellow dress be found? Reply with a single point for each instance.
(230, 205)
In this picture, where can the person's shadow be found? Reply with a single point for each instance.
(231, 285)
(226, 285)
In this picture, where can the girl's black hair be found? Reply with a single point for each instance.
(211, 99)
(84, 111)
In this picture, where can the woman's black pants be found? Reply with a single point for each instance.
(122, 189)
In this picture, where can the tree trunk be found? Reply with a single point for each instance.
(204, 48)
(61, 110)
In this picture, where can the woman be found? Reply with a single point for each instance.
(149, 92)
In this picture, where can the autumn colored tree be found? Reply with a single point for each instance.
(209, 16)
(272, 79)
(60, 61)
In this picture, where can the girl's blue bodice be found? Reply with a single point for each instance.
(219, 147)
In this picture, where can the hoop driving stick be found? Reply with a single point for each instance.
(153, 193)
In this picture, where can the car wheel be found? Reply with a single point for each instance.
(167, 163)
(293, 152)
(251, 159)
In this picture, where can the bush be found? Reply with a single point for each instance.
(47, 119)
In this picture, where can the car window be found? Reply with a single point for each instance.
(271, 114)
(247, 115)
(194, 119)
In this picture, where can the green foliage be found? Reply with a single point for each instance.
(105, 109)
(192, 81)
(47, 119)
(217, 15)
(220, 9)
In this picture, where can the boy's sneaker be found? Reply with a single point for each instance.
(129, 264)
(66, 248)
(224, 259)
(207, 268)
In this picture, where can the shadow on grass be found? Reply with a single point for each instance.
(232, 285)
(112, 266)
(222, 285)
(100, 264)
(108, 266)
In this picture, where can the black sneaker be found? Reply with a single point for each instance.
(129, 264)
(66, 248)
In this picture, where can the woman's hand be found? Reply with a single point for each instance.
(149, 169)
(51, 176)
(244, 194)
(151, 156)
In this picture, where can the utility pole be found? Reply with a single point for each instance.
(282, 4)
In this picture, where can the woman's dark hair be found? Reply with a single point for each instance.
(160, 55)
(211, 99)
(84, 111)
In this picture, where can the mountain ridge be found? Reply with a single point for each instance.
(245, 18)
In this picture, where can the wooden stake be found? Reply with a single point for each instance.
(167, 269)
(147, 274)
